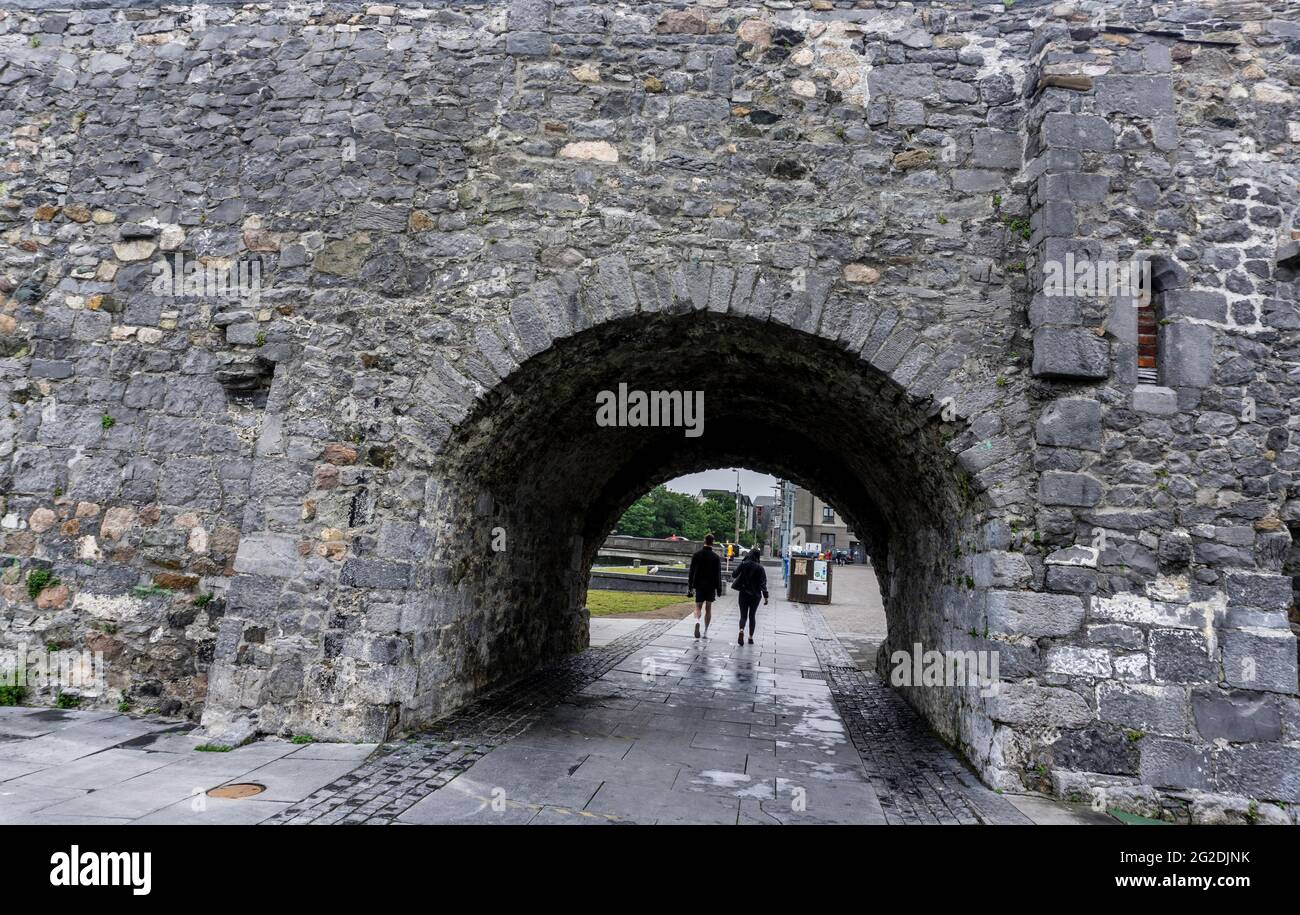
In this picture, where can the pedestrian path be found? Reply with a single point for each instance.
(681, 730)
(650, 725)
(686, 730)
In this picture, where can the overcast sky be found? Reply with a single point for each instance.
(752, 483)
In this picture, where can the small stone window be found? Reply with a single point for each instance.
(1148, 351)
(828, 515)
(1162, 276)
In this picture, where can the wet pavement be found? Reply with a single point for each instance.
(683, 730)
(650, 725)
(857, 615)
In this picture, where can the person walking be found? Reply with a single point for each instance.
(704, 581)
(749, 580)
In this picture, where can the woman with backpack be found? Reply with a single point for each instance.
(750, 580)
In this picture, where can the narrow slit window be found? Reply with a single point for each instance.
(1148, 354)
(1157, 275)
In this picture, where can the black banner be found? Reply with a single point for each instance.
(140, 865)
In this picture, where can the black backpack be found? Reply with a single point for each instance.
(747, 579)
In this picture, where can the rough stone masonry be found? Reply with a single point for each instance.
(270, 488)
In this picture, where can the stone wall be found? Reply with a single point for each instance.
(279, 511)
(661, 584)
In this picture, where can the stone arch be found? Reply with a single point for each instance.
(882, 433)
(912, 429)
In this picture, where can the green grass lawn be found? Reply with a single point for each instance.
(607, 603)
(631, 570)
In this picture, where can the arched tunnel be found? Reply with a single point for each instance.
(533, 467)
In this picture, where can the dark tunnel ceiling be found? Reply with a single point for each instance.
(776, 400)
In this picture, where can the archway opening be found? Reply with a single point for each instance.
(537, 482)
(642, 569)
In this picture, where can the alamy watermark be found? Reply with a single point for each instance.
(945, 668)
(75, 867)
(684, 409)
(215, 278)
(40, 668)
(1082, 277)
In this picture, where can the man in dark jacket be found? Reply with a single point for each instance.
(749, 581)
(704, 580)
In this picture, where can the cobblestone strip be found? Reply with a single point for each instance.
(918, 779)
(402, 773)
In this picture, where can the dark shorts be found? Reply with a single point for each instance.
(705, 595)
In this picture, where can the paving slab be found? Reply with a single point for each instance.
(10, 769)
(563, 816)
(605, 629)
(184, 776)
(1046, 811)
(18, 801)
(636, 804)
(25, 722)
(835, 802)
(223, 766)
(202, 810)
(352, 752)
(76, 739)
(40, 818)
(467, 801)
(544, 737)
(653, 747)
(99, 770)
(292, 779)
(644, 773)
(175, 739)
(723, 783)
(139, 796)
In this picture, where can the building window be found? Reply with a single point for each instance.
(1148, 340)
(1160, 274)
(828, 515)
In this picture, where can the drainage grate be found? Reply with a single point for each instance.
(813, 675)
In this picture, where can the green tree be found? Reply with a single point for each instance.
(716, 516)
(638, 520)
(660, 513)
(675, 512)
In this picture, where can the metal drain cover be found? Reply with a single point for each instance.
(237, 790)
